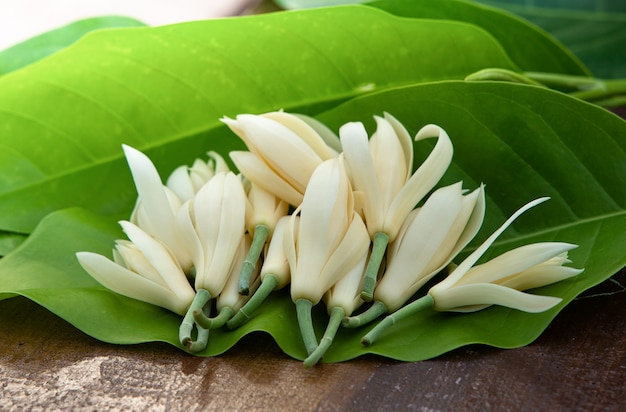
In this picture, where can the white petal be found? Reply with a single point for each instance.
(158, 255)
(387, 153)
(422, 181)
(540, 275)
(327, 135)
(469, 261)
(462, 298)
(514, 261)
(135, 261)
(346, 293)
(281, 149)
(127, 283)
(405, 141)
(180, 183)
(306, 128)
(259, 173)
(275, 261)
(358, 159)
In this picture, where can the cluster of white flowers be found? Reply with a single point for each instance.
(354, 233)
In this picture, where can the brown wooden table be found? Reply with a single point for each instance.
(578, 364)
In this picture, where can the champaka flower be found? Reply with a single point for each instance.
(427, 242)
(330, 239)
(381, 169)
(500, 281)
(157, 205)
(263, 211)
(210, 227)
(143, 269)
(284, 150)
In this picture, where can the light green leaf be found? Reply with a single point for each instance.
(38, 47)
(163, 90)
(9, 241)
(523, 142)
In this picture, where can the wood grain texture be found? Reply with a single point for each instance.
(579, 363)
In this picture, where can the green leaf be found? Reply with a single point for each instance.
(594, 31)
(522, 141)
(529, 47)
(9, 241)
(164, 89)
(38, 47)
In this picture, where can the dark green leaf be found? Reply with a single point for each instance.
(595, 31)
(38, 47)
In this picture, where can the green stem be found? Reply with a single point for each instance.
(504, 75)
(203, 321)
(268, 284)
(261, 233)
(408, 310)
(336, 315)
(371, 272)
(378, 308)
(565, 81)
(303, 310)
(186, 327)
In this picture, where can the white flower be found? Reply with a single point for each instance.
(501, 280)
(144, 269)
(428, 241)
(330, 238)
(283, 152)
(156, 205)
(381, 169)
(210, 227)
(186, 181)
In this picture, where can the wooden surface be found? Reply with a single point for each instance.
(579, 363)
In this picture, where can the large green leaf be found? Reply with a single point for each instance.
(529, 47)
(595, 31)
(38, 47)
(523, 142)
(163, 90)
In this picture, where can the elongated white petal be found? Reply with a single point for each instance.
(513, 262)
(306, 128)
(405, 141)
(323, 219)
(540, 275)
(462, 298)
(133, 260)
(180, 183)
(387, 153)
(422, 181)
(260, 173)
(346, 293)
(187, 235)
(132, 285)
(266, 208)
(275, 261)
(159, 256)
(283, 150)
(327, 135)
(353, 247)
(469, 261)
(359, 162)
